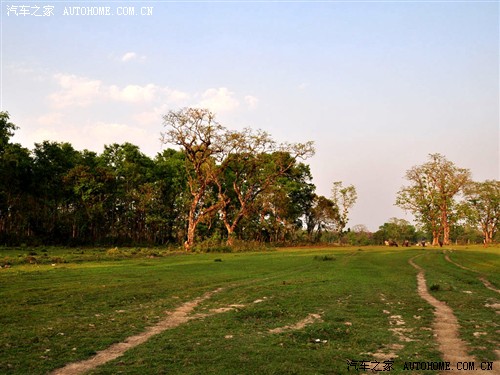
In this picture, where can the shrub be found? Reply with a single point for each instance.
(435, 287)
(324, 257)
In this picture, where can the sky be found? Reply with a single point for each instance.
(377, 85)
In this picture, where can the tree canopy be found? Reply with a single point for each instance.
(431, 195)
(216, 186)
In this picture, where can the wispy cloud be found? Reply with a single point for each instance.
(82, 92)
(131, 56)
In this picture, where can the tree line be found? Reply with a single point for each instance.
(218, 187)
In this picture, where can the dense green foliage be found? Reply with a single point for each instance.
(55, 194)
(261, 193)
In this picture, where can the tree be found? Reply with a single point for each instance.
(398, 230)
(283, 204)
(359, 236)
(52, 215)
(322, 216)
(168, 213)
(482, 207)
(430, 197)
(344, 198)
(204, 143)
(226, 170)
(255, 164)
(7, 129)
(131, 169)
(16, 198)
(93, 189)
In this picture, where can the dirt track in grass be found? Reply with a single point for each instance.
(485, 282)
(175, 318)
(445, 326)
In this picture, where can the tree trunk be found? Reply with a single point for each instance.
(192, 222)
(435, 238)
(188, 244)
(487, 234)
(446, 227)
(230, 227)
(230, 237)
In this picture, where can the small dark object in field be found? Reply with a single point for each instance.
(218, 260)
(324, 257)
(435, 287)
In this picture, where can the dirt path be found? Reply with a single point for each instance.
(445, 326)
(309, 319)
(486, 283)
(489, 285)
(175, 318)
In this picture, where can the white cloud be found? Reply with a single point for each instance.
(82, 92)
(218, 100)
(133, 93)
(75, 91)
(129, 56)
(94, 136)
(132, 56)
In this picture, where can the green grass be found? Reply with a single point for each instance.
(52, 315)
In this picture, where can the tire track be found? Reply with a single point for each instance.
(175, 318)
(485, 281)
(445, 326)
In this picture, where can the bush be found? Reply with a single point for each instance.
(324, 257)
(435, 287)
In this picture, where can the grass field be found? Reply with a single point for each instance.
(363, 302)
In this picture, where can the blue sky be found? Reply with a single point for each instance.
(376, 85)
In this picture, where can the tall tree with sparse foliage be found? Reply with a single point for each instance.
(204, 143)
(431, 195)
(344, 198)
